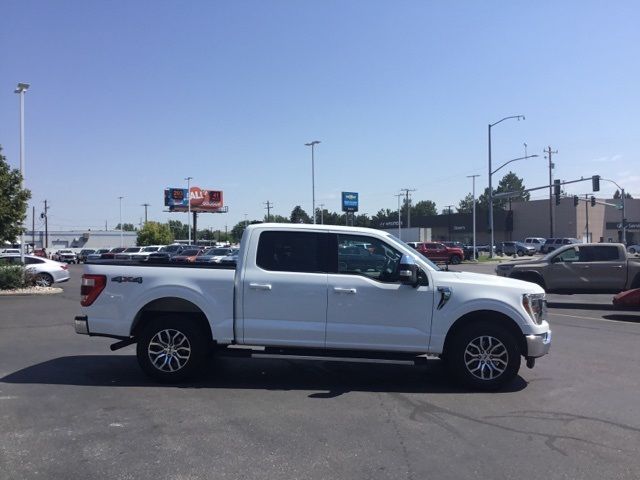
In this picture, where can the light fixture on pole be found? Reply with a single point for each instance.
(20, 90)
(188, 179)
(473, 178)
(518, 117)
(313, 179)
(121, 238)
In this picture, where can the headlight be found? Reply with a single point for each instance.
(535, 305)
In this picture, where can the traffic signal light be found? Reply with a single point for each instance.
(595, 183)
(556, 191)
(576, 200)
(593, 201)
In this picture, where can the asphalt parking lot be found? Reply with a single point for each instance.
(70, 408)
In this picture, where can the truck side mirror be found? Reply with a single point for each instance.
(408, 271)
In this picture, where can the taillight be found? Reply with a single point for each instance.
(91, 287)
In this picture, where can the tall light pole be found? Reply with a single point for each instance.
(145, 205)
(622, 195)
(473, 179)
(188, 179)
(20, 90)
(121, 238)
(322, 214)
(518, 117)
(313, 179)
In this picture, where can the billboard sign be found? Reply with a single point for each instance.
(349, 201)
(201, 200)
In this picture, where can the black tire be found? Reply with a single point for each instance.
(632, 250)
(477, 340)
(520, 253)
(43, 280)
(186, 343)
(455, 259)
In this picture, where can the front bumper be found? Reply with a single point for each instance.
(81, 325)
(538, 345)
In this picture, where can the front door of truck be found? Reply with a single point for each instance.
(368, 307)
(284, 291)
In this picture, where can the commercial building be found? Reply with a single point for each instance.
(599, 223)
(81, 239)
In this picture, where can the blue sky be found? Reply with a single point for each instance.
(130, 97)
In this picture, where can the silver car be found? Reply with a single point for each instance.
(45, 272)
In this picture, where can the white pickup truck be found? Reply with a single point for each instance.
(317, 291)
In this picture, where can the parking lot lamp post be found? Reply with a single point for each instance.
(20, 90)
(121, 239)
(313, 180)
(473, 179)
(622, 195)
(517, 117)
(188, 179)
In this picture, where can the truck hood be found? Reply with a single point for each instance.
(487, 281)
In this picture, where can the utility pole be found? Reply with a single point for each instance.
(145, 205)
(399, 195)
(550, 152)
(33, 226)
(322, 214)
(407, 192)
(473, 179)
(46, 225)
(268, 208)
(449, 221)
(586, 210)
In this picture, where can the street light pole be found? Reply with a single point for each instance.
(313, 179)
(518, 117)
(188, 179)
(20, 90)
(473, 179)
(121, 238)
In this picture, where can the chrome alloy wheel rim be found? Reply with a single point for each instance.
(169, 350)
(486, 357)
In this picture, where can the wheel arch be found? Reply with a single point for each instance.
(170, 306)
(489, 316)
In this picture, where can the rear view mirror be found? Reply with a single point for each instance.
(408, 271)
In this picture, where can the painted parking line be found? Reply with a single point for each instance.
(591, 318)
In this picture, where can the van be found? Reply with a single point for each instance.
(535, 242)
(552, 243)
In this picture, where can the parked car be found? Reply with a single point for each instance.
(45, 272)
(84, 253)
(515, 248)
(536, 242)
(213, 255)
(633, 249)
(438, 252)
(143, 254)
(164, 254)
(65, 255)
(96, 255)
(127, 253)
(552, 244)
(581, 268)
(111, 254)
(187, 255)
(232, 258)
(10, 250)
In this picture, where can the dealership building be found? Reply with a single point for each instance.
(81, 239)
(599, 223)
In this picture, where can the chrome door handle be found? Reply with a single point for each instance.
(260, 286)
(616, 266)
(344, 290)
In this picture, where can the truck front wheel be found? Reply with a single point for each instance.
(171, 349)
(484, 356)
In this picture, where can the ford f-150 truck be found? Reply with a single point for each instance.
(298, 290)
(579, 268)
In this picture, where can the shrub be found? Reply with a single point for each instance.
(12, 276)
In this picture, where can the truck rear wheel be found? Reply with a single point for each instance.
(455, 259)
(171, 349)
(484, 356)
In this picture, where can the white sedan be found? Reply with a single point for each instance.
(45, 272)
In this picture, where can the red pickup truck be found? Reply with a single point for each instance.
(438, 252)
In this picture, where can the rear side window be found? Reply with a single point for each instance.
(293, 252)
(602, 253)
(30, 261)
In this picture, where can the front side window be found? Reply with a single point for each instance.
(570, 255)
(292, 252)
(378, 260)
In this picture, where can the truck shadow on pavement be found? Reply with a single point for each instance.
(328, 379)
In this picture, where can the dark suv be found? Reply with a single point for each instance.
(515, 248)
(553, 243)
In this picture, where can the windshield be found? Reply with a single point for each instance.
(414, 253)
(218, 251)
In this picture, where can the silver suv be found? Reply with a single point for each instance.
(554, 243)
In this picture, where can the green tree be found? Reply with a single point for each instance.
(179, 229)
(13, 202)
(509, 183)
(154, 233)
(424, 208)
(239, 228)
(298, 215)
(618, 195)
(277, 219)
(127, 227)
(466, 204)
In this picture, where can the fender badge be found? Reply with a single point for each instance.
(127, 279)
